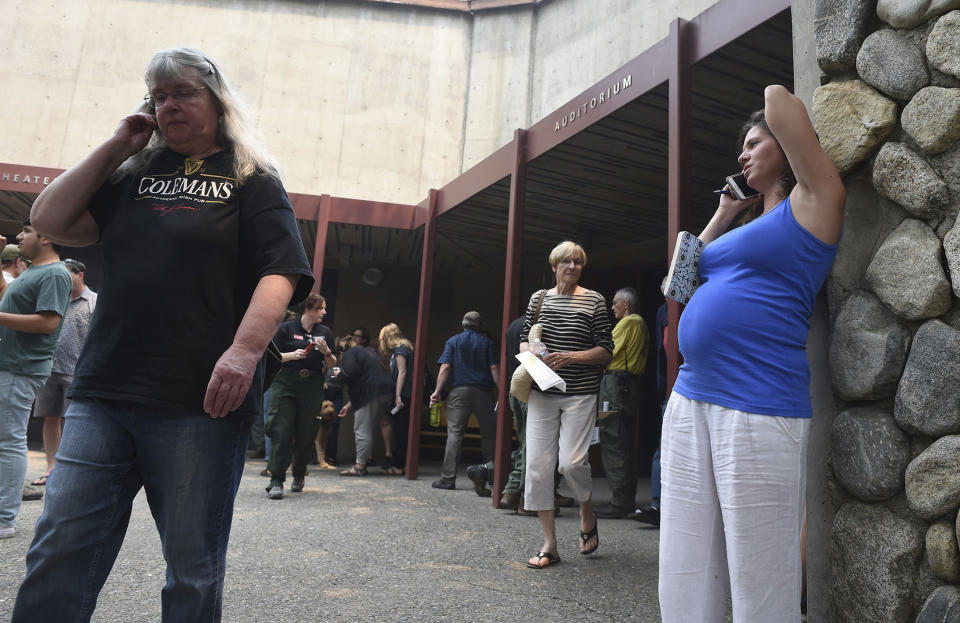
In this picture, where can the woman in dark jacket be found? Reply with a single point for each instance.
(370, 390)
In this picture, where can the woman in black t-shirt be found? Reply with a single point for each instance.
(399, 350)
(296, 396)
(201, 257)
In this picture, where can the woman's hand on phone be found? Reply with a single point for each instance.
(729, 203)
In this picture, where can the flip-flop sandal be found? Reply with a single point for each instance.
(586, 536)
(354, 471)
(552, 559)
(41, 481)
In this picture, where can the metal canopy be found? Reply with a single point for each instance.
(606, 185)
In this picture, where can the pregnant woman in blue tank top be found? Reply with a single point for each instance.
(735, 429)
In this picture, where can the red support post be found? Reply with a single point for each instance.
(678, 176)
(320, 247)
(423, 318)
(511, 306)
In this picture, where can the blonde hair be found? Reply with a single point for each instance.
(235, 131)
(567, 250)
(390, 337)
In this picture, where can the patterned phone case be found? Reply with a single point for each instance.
(684, 275)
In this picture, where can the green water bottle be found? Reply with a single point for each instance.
(435, 415)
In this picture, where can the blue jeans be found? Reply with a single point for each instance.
(188, 463)
(17, 392)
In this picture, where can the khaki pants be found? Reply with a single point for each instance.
(461, 402)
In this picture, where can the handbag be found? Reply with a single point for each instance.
(521, 383)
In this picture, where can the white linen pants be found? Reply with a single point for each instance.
(558, 425)
(731, 513)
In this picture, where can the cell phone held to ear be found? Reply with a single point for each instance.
(739, 188)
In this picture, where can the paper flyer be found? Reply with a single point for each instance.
(543, 376)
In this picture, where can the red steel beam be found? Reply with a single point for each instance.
(639, 76)
(727, 21)
(678, 168)
(511, 306)
(484, 174)
(320, 247)
(423, 323)
(356, 211)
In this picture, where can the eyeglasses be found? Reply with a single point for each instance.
(180, 94)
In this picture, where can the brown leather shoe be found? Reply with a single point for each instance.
(509, 501)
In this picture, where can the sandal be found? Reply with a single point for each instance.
(393, 471)
(552, 559)
(41, 481)
(586, 536)
(356, 470)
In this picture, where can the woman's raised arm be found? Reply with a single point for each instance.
(60, 211)
(819, 196)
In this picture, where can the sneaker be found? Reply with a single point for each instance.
(275, 492)
(31, 493)
(478, 474)
(7, 532)
(444, 483)
(649, 515)
(297, 485)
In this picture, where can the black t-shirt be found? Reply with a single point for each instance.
(364, 377)
(291, 336)
(183, 252)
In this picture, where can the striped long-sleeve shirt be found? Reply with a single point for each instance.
(572, 322)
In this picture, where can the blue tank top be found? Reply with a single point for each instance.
(743, 335)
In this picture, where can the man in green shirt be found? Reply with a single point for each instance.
(620, 406)
(31, 313)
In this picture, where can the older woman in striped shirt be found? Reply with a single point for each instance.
(576, 333)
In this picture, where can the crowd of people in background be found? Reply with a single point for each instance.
(176, 408)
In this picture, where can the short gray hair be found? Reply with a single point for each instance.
(628, 296)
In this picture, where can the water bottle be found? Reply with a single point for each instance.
(539, 348)
(435, 415)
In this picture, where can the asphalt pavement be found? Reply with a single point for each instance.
(381, 549)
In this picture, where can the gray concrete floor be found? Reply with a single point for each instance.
(381, 549)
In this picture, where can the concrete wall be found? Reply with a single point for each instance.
(578, 43)
(355, 99)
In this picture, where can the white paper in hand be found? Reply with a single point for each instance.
(543, 376)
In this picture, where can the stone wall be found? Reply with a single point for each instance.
(888, 113)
